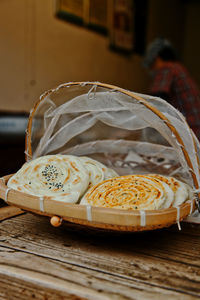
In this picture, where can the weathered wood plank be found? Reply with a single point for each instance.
(47, 274)
(7, 212)
(165, 259)
(165, 244)
(24, 290)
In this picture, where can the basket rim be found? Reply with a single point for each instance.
(100, 217)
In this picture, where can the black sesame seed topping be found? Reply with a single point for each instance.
(50, 174)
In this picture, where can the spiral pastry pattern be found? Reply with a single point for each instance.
(97, 171)
(180, 189)
(59, 177)
(133, 192)
(168, 192)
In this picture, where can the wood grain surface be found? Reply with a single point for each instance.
(38, 261)
(7, 212)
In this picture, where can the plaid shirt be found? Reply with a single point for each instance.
(174, 84)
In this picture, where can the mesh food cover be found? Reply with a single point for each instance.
(130, 132)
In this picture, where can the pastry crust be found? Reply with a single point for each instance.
(97, 171)
(133, 192)
(180, 189)
(59, 177)
(144, 192)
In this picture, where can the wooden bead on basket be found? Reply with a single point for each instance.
(56, 221)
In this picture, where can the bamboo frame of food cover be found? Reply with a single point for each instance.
(106, 218)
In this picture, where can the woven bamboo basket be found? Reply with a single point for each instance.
(120, 138)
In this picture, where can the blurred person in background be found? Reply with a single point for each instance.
(172, 82)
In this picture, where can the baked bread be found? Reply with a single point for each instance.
(168, 192)
(59, 177)
(97, 171)
(180, 189)
(133, 192)
(138, 192)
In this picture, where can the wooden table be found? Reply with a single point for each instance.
(38, 261)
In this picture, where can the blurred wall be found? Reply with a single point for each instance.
(39, 51)
(179, 21)
(167, 19)
(191, 49)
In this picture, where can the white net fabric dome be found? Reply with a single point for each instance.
(130, 132)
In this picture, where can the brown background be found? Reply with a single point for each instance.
(39, 51)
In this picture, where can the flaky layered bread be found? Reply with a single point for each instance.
(181, 191)
(67, 178)
(59, 177)
(97, 171)
(110, 173)
(127, 192)
(138, 192)
(168, 192)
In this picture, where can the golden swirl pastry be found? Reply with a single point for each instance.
(59, 177)
(180, 189)
(133, 192)
(168, 192)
